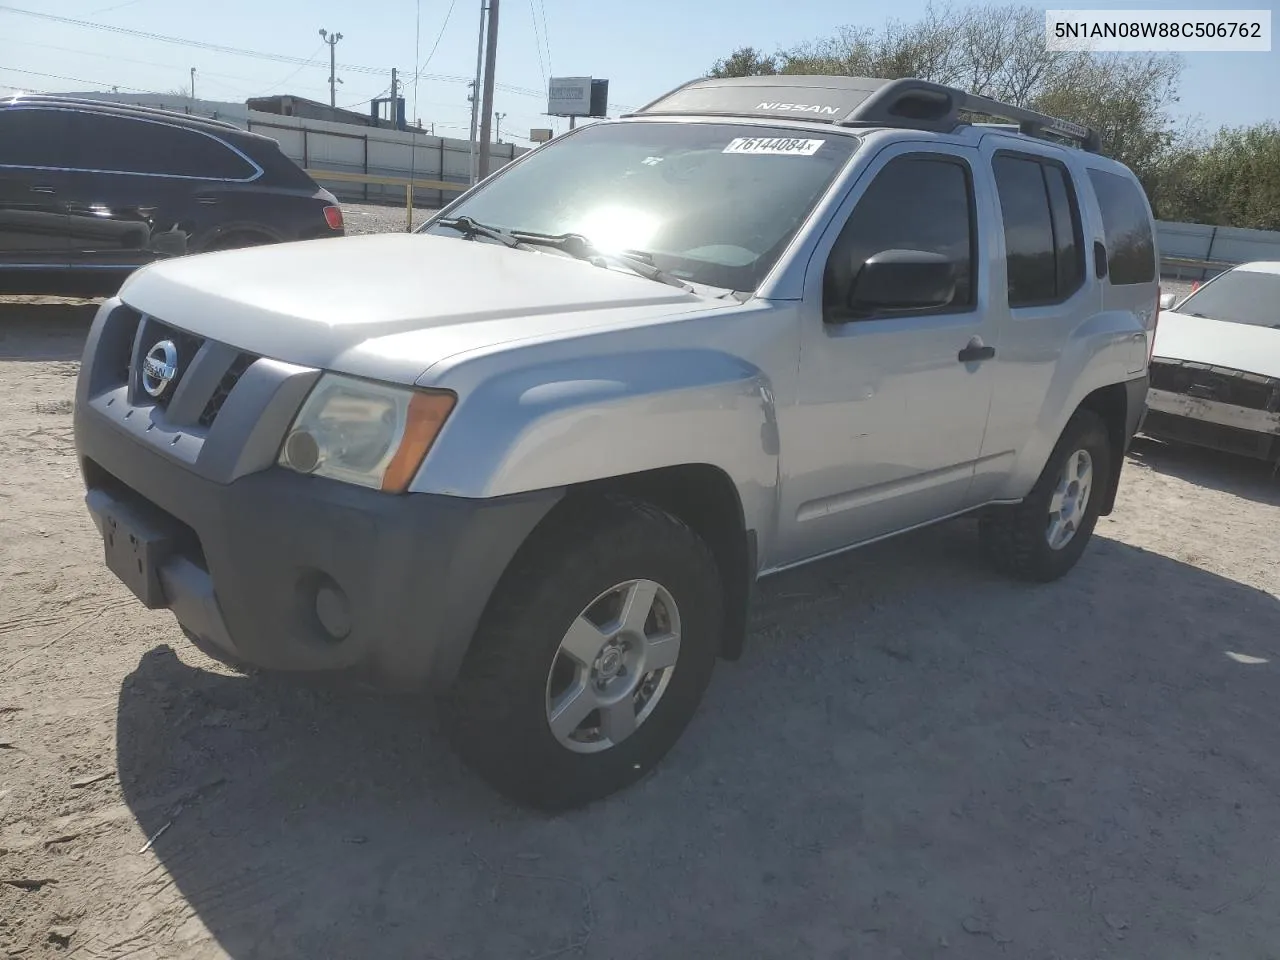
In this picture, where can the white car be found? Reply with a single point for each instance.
(1215, 370)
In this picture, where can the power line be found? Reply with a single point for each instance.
(311, 62)
(236, 51)
(546, 34)
(364, 100)
(117, 6)
(413, 141)
(537, 42)
(145, 63)
(58, 76)
(198, 44)
(279, 57)
(439, 36)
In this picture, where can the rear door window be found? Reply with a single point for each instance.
(1028, 231)
(1068, 235)
(35, 138)
(118, 144)
(1042, 232)
(1126, 223)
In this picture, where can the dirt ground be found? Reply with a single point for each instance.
(914, 759)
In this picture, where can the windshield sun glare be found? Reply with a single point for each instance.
(708, 203)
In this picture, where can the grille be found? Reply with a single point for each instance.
(155, 332)
(223, 389)
(188, 346)
(1211, 383)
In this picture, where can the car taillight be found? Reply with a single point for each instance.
(333, 217)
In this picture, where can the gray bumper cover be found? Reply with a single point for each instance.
(241, 551)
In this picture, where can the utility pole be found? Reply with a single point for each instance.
(193, 83)
(486, 105)
(395, 114)
(332, 40)
(497, 125)
(475, 94)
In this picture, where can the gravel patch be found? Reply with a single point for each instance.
(915, 758)
(363, 218)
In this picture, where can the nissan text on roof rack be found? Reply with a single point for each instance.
(611, 387)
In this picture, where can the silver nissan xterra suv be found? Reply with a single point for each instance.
(534, 456)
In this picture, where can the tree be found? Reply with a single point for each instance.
(1124, 98)
(999, 52)
(745, 62)
(1232, 179)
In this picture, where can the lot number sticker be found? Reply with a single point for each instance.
(784, 146)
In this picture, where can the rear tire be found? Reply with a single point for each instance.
(1042, 538)
(519, 677)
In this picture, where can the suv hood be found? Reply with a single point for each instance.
(1236, 346)
(389, 306)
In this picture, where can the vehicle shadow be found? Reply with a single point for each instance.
(914, 758)
(1240, 476)
(38, 331)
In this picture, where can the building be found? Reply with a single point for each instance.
(288, 105)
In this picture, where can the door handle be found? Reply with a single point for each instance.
(42, 188)
(975, 351)
(207, 201)
(1099, 259)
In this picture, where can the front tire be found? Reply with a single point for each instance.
(1042, 538)
(593, 656)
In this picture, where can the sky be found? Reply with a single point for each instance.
(643, 49)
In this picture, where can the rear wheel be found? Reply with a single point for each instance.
(1043, 537)
(593, 657)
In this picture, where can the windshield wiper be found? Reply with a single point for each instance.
(574, 244)
(471, 229)
(577, 245)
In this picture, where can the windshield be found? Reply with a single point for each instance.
(1238, 296)
(712, 204)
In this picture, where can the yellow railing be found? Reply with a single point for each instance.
(409, 184)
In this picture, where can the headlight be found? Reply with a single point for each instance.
(366, 433)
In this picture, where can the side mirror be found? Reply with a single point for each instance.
(902, 280)
(1167, 301)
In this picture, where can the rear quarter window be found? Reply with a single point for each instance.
(35, 138)
(127, 145)
(1126, 223)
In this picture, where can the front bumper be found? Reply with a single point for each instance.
(1213, 424)
(276, 569)
(1215, 412)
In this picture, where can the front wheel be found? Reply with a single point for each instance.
(1041, 538)
(593, 657)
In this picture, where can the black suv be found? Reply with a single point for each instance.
(92, 190)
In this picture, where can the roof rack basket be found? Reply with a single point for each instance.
(860, 102)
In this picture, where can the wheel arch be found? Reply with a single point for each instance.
(704, 497)
(1114, 405)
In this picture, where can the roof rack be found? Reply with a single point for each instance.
(57, 100)
(858, 102)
